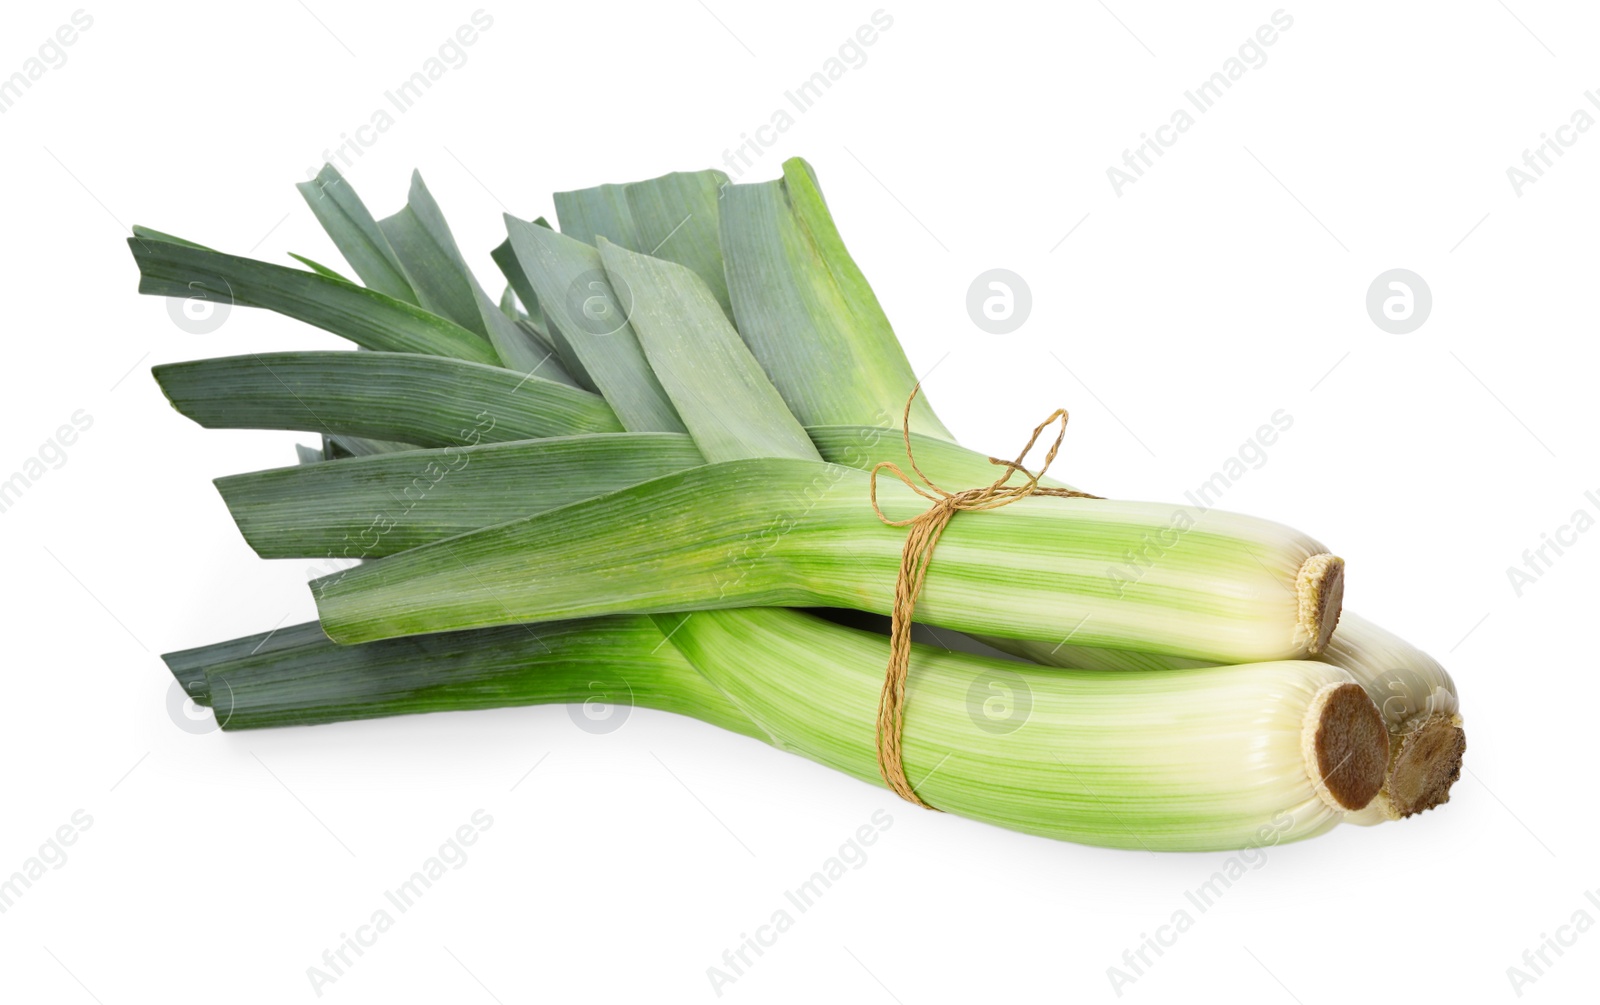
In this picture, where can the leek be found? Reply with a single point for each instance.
(527, 547)
(1175, 761)
(771, 532)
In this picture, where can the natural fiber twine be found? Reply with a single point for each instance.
(917, 555)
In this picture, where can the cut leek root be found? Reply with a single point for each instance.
(1419, 705)
(1177, 761)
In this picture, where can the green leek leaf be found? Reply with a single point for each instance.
(426, 400)
(356, 234)
(592, 213)
(391, 502)
(366, 317)
(318, 267)
(807, 312)
(434, 263)
(676, 218)
(729, 406)
(589, 325)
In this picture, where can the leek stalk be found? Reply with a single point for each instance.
(1174, 761)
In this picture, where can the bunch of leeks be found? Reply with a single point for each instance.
(634, 463)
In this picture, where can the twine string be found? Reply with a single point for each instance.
(917, 555)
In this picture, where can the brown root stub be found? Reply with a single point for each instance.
(1319, 587)
(1426, 765)
(1346, 746)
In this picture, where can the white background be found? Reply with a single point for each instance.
(1227, 283)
